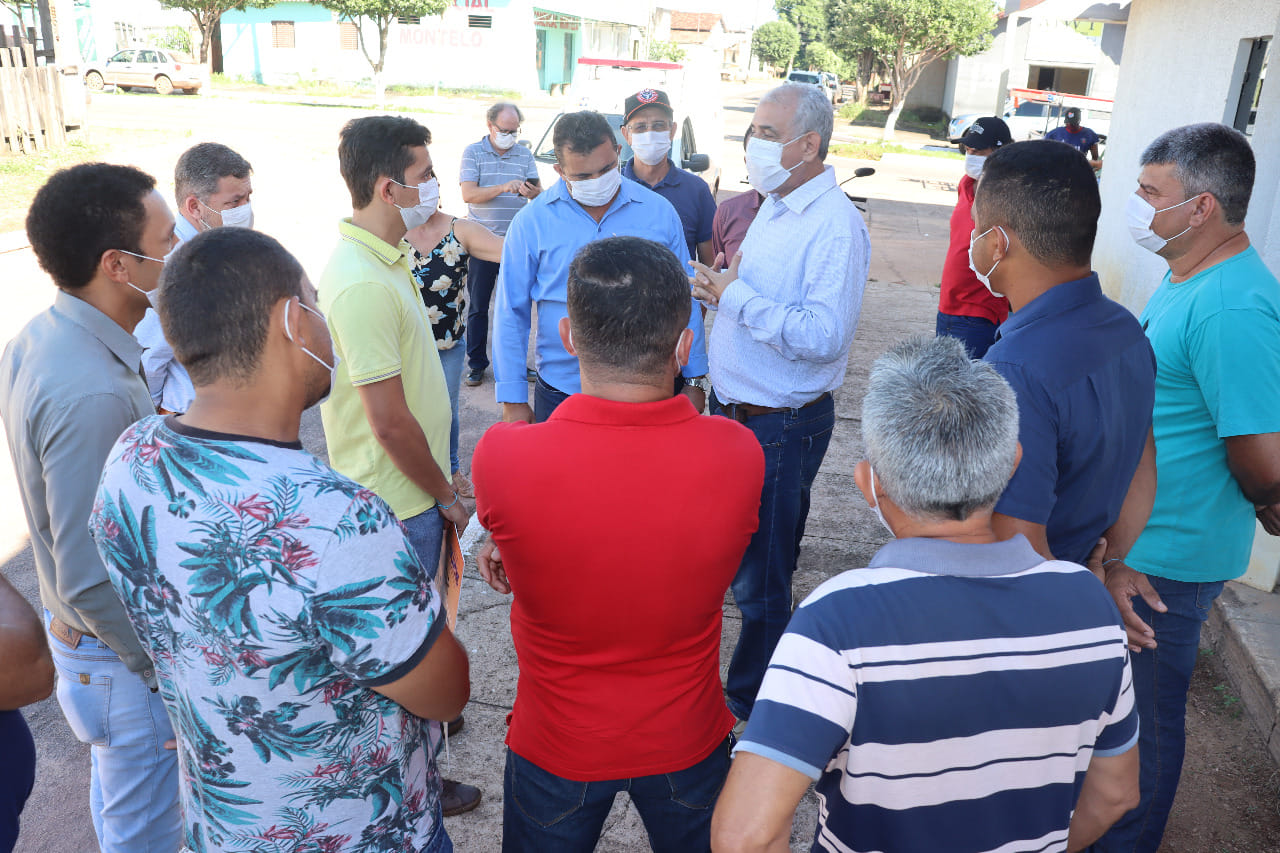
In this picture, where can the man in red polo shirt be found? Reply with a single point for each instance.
(618, 524)
(967, 308)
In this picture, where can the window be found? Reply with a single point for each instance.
(282, 34)
(480, 22)
(123, 56)
(348, 36)
(409, 20)
(1254, 53)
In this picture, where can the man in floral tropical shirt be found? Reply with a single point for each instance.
(297, 638)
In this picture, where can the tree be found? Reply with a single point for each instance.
(906, 36)
(666, 51)
(207, 13)
(381, 14)
(816, 56)
(776, 43)
(809, 17)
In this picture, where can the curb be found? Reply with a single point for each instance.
(13, 241)
(1244, 630)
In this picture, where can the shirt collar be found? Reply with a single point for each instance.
(122, 344)
(1055, 301)
(583, 408)
(807, 193)
(942, 557)
(184, 229)
(671, 179)
(380, 248)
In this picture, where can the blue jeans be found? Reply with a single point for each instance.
(794, 443)
(481, 276)
(426, 534)
(1161, 678)
(542, 811)
(133, 779)
(546, 399)
(451, 360)
(977, 333)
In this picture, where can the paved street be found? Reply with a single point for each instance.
(298, 198)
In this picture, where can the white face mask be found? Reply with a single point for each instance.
(651, 147)
(503, 140)
(332, 368)
(1139, 213)
(985, 278)
(234, 217)
(876, 506)
(154, 294)
(973, 164)
(596, 191)
(764, 164)
(428, 201)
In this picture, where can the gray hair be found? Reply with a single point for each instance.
(941, 430)
(201, 167)
(497, 109)
(811, 111)
(1208, 158)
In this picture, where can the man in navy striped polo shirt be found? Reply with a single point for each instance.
(960, 694)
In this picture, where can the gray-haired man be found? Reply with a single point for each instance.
(788, 307)
(212, 185)
(498, 178)
(943, 698)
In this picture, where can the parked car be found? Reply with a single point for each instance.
(832, 83)
(1033, 119)
(685, 152)
(147, 67)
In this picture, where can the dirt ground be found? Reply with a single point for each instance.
(1229, 797)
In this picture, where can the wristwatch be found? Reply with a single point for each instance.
(702, 383)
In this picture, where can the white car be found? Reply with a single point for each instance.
(147, 67)
(1033, 119)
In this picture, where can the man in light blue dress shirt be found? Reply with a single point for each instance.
(591, 202)
(787, 308)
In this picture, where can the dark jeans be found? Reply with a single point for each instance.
(19, 776)
(1161, 678)
(977, 333)
(481, 276)
(794, 443)
(546, 399)
(545, 812)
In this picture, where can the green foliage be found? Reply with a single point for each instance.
(175, 38)
(776, 43)
(380, 13)
(666, 51)
(809, 17)
(927, 29)
(876, 150)
(816, 56)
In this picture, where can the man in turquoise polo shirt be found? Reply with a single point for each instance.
(1214, 324)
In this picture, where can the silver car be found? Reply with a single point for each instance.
(147, 67)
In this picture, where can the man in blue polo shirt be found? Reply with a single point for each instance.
(1214, 323)
(649, 127)
(943, 699)
(1082, 139)
(590, 202)
(1083, 371)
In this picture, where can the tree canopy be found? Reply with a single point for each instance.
(776, 43)
(381, 14)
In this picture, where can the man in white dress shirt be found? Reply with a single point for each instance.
(788, 306)
(212, 185)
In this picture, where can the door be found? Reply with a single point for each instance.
(118, 68)
(145, 68)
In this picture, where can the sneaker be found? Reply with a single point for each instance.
(462, 485)
(457, 798)
(475, 377)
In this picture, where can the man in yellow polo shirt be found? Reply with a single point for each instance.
(388, 418)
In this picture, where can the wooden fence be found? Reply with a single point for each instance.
(32, 113)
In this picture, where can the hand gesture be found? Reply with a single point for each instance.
(513, 187)
(1124, 583)
(489, 561)
(709, 284)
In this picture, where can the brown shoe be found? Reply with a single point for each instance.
(457, 798)
(455, 725)
(462, 485)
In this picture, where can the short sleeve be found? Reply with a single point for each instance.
(374, 607)
(1031, 493)
(1119, 732)
(1235, 356)
(805, 709)
(469, 169)
(364, 320)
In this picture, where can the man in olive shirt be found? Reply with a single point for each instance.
(70, 383)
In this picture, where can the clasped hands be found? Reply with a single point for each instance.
(708, 284)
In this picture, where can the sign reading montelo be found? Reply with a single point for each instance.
(442, 36)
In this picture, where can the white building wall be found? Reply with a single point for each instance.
(1182, 64)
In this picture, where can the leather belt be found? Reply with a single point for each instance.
(66, 633)
(740, 412)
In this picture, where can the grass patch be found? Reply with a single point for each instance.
(923, 119)
(362, 89)
(876, 150)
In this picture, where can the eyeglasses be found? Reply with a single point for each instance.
(656, 127)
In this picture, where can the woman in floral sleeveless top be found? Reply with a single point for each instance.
(439, 261)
